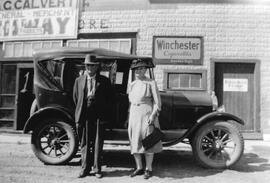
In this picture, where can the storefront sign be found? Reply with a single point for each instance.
(39, 19)
(94, 24)
(235, 85)
(177, 50)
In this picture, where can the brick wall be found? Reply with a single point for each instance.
(230, 31)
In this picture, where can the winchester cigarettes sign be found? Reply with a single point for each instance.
(38, 19)
(177, 50)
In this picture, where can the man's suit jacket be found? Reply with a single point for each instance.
(104, 99)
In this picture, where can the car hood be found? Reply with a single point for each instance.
(189, 98)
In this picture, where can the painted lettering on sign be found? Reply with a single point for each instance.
(177, 50)
(91, 24)
(44, 23)
(35, 4)
(235, 85)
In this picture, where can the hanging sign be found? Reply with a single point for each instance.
(39, 19)
(177, 50)
(235, 85)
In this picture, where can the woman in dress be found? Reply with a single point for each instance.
(145, 105)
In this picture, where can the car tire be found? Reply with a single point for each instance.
(54, 142)
(218, 144)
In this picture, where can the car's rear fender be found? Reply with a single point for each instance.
(42, 113)
(206, 119)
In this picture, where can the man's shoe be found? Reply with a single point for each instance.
(136, 172)
(98, 175)
(82, 174)
(147, 174)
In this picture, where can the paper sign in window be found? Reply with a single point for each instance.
(235, 85)
(119, 78)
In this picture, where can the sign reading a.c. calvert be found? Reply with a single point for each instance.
(177, 50)
(38, 19)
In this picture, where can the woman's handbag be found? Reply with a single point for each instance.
(153, 138)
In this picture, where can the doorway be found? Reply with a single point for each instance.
(237, 87)
(25, 94)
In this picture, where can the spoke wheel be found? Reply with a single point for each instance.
(54, 142)
(218, 144)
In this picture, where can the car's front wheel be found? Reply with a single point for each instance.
(54, 142)
(218, 144)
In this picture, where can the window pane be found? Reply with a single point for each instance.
(72, 44)
(56, 44)
(18, 50)
(8, 49)
(125, 46)
(7, 101)
(184, 80)
(93, 44)
(54, 67)
(195, 81)
(37, 45)
(83, 44)
(104, 44)
(7, 114)
(46, 44)
(173, 81)
(6, 124)
(8, 79)
(114, 45)
(27, 49)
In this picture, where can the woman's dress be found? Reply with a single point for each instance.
(144, 99)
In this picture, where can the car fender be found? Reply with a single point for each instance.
(203, 120)
(219, 116)
(32, 122)
(214, 116)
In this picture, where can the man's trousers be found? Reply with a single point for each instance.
(91, 136)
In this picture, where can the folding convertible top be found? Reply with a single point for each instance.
(45, 54)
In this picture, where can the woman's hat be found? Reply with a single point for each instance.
(139, 63)
(90, 59)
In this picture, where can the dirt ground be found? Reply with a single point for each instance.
(18, 164)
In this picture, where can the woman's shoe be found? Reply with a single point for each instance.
(147, 174)
(136, 172)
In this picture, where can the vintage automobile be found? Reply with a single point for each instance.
(187, 116)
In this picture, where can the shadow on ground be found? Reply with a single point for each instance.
(169, 163)
(178, 164)
(256, 160)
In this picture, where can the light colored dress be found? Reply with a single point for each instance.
(144, 99)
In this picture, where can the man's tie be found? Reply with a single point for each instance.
(90, 86)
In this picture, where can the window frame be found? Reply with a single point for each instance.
(10, 46)
(76, 43)
(203, 72)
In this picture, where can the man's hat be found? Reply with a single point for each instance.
(140, 63)
(90, 59)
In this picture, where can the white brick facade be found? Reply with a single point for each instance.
(229, 31)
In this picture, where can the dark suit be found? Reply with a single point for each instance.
(90, 117)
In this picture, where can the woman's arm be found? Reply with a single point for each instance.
(156, 101)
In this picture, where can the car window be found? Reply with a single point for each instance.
(54, 69)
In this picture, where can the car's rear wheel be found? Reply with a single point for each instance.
(54, 142)
(218, 144)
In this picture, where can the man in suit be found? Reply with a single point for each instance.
(93, 96)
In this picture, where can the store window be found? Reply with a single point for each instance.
(120, 45)
(185, 80)
(7, 94)
(25, 49)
